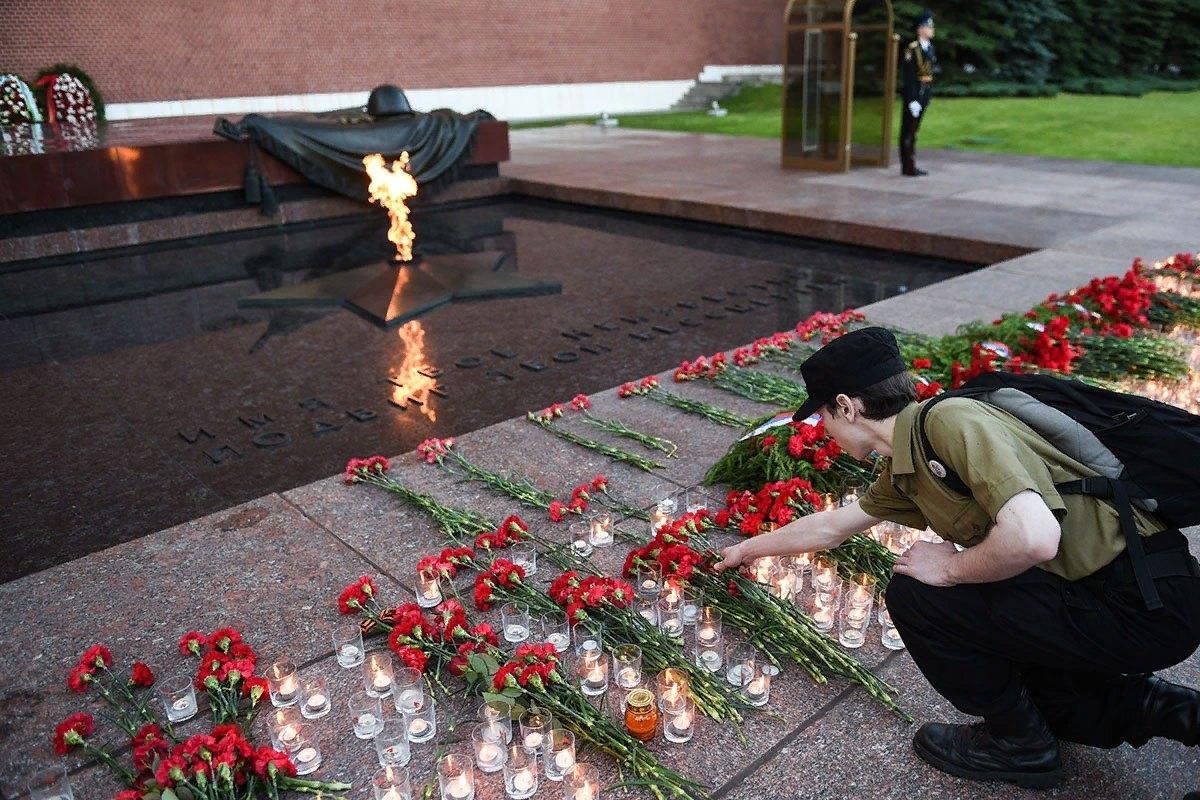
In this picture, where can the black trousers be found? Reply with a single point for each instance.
(1079, 648)
(908, 138)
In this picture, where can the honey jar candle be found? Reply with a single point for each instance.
(641, 714)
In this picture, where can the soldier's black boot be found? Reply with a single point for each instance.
(1013, 747)
(1165, 710)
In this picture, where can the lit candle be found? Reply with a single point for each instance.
(533, 740)
(564, 760)
(288, 686)
(306, 755)
(488, 753)
(707, 634)
(288, 733)
(523, 780)
(601, 531)
(381, 680)
(417, 727)
(459, 788)
(585, 792)
(682, 721)
(316, 702)
(756, 687)
(822, 616)
(429, 593)
(392, 794)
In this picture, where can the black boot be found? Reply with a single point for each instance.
(1014, 747)
(1165, 709)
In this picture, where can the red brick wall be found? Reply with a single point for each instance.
(139, 50)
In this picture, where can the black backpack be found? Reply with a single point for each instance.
(1147, 452)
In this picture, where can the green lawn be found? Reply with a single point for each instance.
(1157, 128)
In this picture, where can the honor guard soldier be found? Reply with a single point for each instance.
(1048, 609)
(917, 70)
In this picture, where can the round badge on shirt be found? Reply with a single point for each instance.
(937, 469)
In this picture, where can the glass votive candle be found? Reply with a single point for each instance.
(348, 644)
(672, 590)
(391, 744)
(756, 681)
(306, 755)
(647, 607)
(627, 665)
(664, 509)
(590, 635)
(670, 617)
(524, 555)
(456, 777)
(520, 773)
(283, 684)
(679, 720)
(514, 619)
(592, 669)
(178, 695)
(672, 686)
(51, 783)
(314, 697)
(366, 715)
(822, 610)
(709, 654)
(708, 625)
(801, 563)
(558, 753)
(581, 782)
(890, 637)
(824, 574)
(392, 783)
(600, 530)
(853, 621)
(696, 498)
(284, 726)
(499, 714)
(555, 629)
(860, 590)
(421, 722)
(580, 533)
(408, 689)
(648, 580)
(782, 583)
(377, 674)
(535, 725)
(693, 599)
(428, 589)
(851, 495)
(490, 747)
(736, 656)
(761, 569)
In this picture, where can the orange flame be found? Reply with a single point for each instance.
(391, 188)
(415, 386)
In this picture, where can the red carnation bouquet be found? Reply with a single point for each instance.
(223, 764)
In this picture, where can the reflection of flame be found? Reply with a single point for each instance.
(415, 386)
(390, 188)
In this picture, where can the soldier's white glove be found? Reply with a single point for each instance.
(914, 108)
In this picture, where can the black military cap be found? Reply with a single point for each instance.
(926, 18)
(848, 365)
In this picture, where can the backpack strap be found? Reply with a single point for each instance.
(1098, 486)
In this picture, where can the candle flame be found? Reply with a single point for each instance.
(391, 188)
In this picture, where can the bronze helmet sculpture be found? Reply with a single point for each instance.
(387, 100)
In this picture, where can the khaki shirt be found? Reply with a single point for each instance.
(997, 456)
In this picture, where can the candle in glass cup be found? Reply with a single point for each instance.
(647, 607)
(670, 617)
(648, 581)
(555, 629)
(756, 683)
(51, 783)
(366, 715)
(421, 722)
(580, 533)
(825, 574)
(679, 721)
(314, 697)
(672, 686)
(600, 530)
(535, 725)
(524, 555)
(627, 665)
(348, 644)
(862, 589)
(822, 609)
(282, 683)
(391, 744)
(490, 751)
(853, 621)
(581, 782)
(514, 618)
(520, 773)
(498, 714)
(392, 783)
(689, 611)
(284, 726)
(429, 589)
(306, 754)
(456, 777)
(708, 625)
(178, 695)
(559, 753)
(592, 669)
(408, 689)
(377, 674)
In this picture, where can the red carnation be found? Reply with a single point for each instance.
(269, 762)
(80, 678)
(192, 643)
(72, 732)
(922, 363)
(224, 638)
(141, 675)
(355, 596)
(254, 688)
(97, 656)
(411, 657)
(558, 511)
(580, 402)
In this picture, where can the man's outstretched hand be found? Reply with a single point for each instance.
(731, 558)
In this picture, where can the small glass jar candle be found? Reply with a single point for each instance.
(421, 721)
(514, 618)
(822, 609)
(590, 635)
(392, 783)
(709, 654)
(708, 625)
(627, 666)
(664, 509)
(860, 590)
(670, 616)
(592, 670)
(535, 725)
(647, 607)
(348, 644)
(524, 555)
(178, 695)
(672, 686)
(641, 714)
(890, 637)
(555, 629)
(782, 583)
(408, 689)
(51, 783)
(520, 773)
(693, 599)
(801, 563)
(366, 715)
(580, 533)
(428, 589)
(736, 653)
(756, 681)
(582, 782)
(679, 720)
(377, 674)
(306, 755)
(490, 747)
(314, 697)
(824, 574)
(499, 714)
(648, 581)
(283, 684)
(559, 753)
(696, 499)
(456, 777)
(853, 621)
(761, 569)
(391, 744)
(600, 530)
(284, 726)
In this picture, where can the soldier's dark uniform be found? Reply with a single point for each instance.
(917, 70)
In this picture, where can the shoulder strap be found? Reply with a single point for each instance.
(951, 479)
